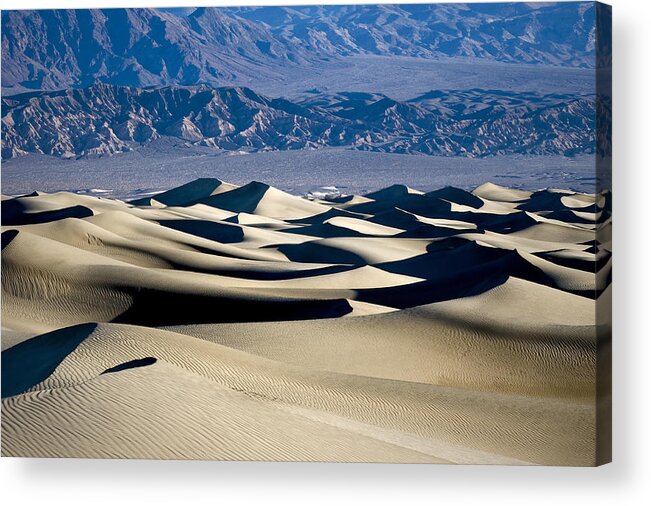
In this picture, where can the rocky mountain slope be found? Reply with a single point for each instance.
(57, 49)
(105, 119)
(549, 33)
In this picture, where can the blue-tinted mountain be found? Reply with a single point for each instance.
(57, 49)
(549, 33)
(105, 119)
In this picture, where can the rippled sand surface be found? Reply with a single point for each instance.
(222, 322)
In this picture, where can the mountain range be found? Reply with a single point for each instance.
(548, 33)
(57, 49)
(105, 119)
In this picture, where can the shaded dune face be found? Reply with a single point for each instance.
(400, 326)
(14, 214)
(32, 361)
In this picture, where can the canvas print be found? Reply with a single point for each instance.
(344, 233)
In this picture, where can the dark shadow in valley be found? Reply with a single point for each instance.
(13, 213)
(266, 275)
(155, 308)
(224, 233)
(314, 252)
(451, 271)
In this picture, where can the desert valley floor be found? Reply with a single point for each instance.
(220, 322)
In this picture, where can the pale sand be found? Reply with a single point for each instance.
(445, 327)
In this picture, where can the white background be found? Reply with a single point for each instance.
(627, 481)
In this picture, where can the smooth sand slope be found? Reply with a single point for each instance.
(221, 322)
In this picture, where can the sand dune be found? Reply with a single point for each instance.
(220, 322)
(497, 193)
(190, 375)
(188, 194)
(259, 198)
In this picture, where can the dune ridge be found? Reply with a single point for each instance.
(213, 321)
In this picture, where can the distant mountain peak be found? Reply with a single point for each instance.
(106, 119)
(54, 49)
